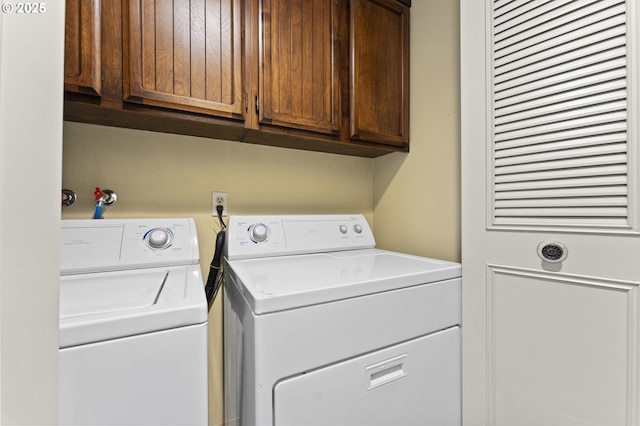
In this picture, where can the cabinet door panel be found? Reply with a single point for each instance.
(82, 47)
(380, 74)
(299, 85)
(185, 55)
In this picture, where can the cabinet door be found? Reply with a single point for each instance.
(82, 47)
(185, 55)
(298, 77)
(380, 72)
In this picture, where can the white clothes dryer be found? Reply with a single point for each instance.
(133, 324)
(321, 328)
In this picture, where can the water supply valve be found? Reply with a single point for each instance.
(104, 197)
(68, 197)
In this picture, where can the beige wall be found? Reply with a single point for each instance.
(417, 195)
(160, 175)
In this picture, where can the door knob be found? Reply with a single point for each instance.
(552, 251)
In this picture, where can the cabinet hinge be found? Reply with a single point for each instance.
(257, 104)
(246, 102)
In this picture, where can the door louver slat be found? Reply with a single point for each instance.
(585, 172)
(602, 222)
(606, 181)
(563, 202)
(560, 114)
(575, 111)
(577, 164)
(569, 135)
(579, 211)
(531, 161)
(563, 145)
(595, 191)
(561, 126)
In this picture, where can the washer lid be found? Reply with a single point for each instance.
(286, 282)
(110, 305)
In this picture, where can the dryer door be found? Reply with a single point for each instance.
(413, 383)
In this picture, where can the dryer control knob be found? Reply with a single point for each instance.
(158, 238)
(258, 233)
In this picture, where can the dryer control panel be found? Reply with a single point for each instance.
(266, 236)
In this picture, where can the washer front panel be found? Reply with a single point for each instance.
(151, 379)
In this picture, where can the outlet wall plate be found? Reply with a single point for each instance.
(218, 198)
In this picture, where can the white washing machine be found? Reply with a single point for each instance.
(321, 328)
(133, 323)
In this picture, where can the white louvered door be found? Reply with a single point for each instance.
(551, 212)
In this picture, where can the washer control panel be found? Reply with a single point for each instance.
(116, 244)
(265, 236)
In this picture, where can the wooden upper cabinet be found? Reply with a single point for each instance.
(321, 75)
(82, 47)
(379, 92)
(298, 65)
(185, 55)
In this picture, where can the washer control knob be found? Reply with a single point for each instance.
(258, 233)
(358, 229)
(158, 238)
(343, 229)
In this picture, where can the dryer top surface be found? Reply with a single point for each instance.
(288, 282)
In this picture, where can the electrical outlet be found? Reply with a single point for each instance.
(218, 199)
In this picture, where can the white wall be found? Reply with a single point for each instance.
(31, 86)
